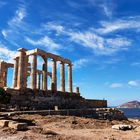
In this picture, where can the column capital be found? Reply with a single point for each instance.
(70, 64)
(22, 50)
(16, 58)
(61, 62)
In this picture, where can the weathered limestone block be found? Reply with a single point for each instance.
(18, 126)
(122, 127)
(4, 123)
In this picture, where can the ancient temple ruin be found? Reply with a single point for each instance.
(23, 69)
(37, 94)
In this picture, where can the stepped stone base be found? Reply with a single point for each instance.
(30, 100)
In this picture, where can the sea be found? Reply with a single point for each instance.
(131, 112)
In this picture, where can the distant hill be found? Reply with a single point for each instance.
(132, 104)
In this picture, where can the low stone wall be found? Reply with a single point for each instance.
(30, 100)
(97, 113)
(96, 103)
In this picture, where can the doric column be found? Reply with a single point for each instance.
(15, 72)
(77, 90)
(5, 78)
(54, 78)
(39, 76)
(21, 66)
(70, 78)
(62, 77)
(44, 76)
(33, 72)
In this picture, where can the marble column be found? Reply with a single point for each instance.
(54, 77)
(62, 77)
(15, 72)
(5, 78)
(20, 79)
(44, 76)
(39, 76)
(70, 78)
(77, 90)
(33, 72)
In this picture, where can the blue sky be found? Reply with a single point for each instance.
(101, 37)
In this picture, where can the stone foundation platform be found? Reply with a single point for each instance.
(40, 100)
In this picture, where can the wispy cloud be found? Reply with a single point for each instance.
(53, 26)
(119, 24)
(16, 25)
(118, 42)
(6, 54)
(116, 85)
(46, 42)
(90, 39)
(99, 44)
(18, 18)
(107, 9)
(80, 63)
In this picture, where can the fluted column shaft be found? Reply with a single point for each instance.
(77, 90)
(33, 72)
(20, 79)
(62, 77)
(70, 78)
(5, 78)
(54, 78)
(15, 73)
(44, 76)
(39, 76)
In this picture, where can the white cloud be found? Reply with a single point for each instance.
(116, 85)
(80, 63)
(118, 42)
(121, 24)
(46, 42)
(6, 54)
(133, 83)
(87, 39)
(100, 45)
(53, 26)
(4, 33)
(18, 18)
(90, 39)
(16, 27)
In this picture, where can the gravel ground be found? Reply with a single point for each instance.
(69, 128)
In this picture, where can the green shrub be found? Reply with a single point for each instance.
(4, 96)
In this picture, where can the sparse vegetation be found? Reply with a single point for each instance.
(4, 96)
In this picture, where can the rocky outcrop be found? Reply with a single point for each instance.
(132, 104)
